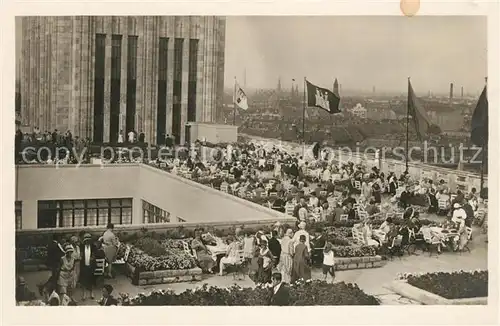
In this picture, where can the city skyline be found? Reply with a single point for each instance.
(361, 52)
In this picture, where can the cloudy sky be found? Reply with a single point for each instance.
(361, 52)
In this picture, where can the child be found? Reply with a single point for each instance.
(254, 266)
(328, 262)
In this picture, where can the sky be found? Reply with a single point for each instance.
(361, 52)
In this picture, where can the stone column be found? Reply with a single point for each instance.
(185, 75)
(123, 81)
(107, 78)
(170, 73)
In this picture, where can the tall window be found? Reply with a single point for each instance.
(193, 74)
(131, 83)
(161, 118)
(100, 52)
(154, 214)
(176, 113)
(19, 214)
(84, 212)
(116, 58)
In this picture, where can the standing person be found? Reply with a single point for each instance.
(265, 270)
(248, 246)
(55, 251)
(66, 272)
(302, 232)
(280, 295)
(376, 192)
(301, 261)
(286, 257)
(120, 137)
(110, 246)
(131, 136)
(366, 190)
(328, 262)
(77, 257)
(87, 266)
(275, 247)
(141, 137)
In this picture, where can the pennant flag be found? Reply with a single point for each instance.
(240, 98)
(322, 98)
(479, 121)
(423, 125)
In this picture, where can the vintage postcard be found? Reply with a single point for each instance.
(251, 160)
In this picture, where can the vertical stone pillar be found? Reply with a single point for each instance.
(185, 74)
(140, 73)
(170, 72)
(123, 81)
(107, 78)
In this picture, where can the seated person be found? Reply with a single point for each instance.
(232, 255)
(350, 211)
(459, 214)
(372, 209)
(409, 213)
(367, 235)
(349, 200)
(381, 233)
(405, 197)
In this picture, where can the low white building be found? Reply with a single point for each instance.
(359, 111)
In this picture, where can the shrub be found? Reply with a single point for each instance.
(311, 293)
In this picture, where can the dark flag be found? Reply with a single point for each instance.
(322, 98)
(423, 125)
(479, 121)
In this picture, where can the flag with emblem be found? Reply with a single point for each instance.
(240, 98)
(322, 98)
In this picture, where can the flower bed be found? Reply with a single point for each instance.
(151, 261)
(313, 293)
(456, 288)
(456, 285)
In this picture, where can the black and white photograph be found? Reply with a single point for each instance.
(251, 160)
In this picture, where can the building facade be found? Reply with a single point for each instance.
(98, 76)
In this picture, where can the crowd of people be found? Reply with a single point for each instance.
(77, 261)
(314, 188)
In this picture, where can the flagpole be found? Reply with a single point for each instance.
(304, 115)
(234, 102)
(484, 149)
(407, 125)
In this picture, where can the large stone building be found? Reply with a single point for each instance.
(98, 75)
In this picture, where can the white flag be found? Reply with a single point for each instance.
(240, 98)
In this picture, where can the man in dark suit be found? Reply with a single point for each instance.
(107, 298)
(275, 247)
(54, 255)
(280, 293)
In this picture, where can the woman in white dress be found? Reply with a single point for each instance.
(286, 258)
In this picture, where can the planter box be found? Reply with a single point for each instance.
(345, 263)
(32, 265)
(163, 276)
(406, 290)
